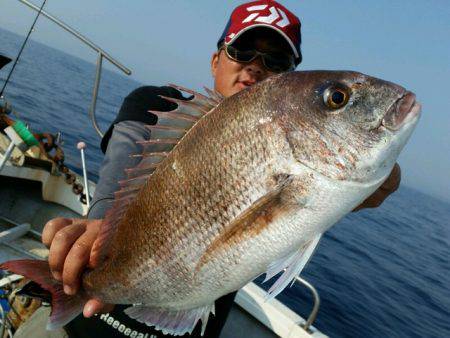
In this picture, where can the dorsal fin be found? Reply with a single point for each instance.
(141, 170)
(157, 154)
(158, 131)
(159, 141)
(214, 95)
(158, 145)
(165, 135)
(174, 115)
(131, 183)
(188, 107)
(200, 99)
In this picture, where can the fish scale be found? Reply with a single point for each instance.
(248, 189)
(205, 188)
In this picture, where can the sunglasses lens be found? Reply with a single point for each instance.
(279, 62)
(240, 55)
(275, 62)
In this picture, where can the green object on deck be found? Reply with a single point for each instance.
(25, 134)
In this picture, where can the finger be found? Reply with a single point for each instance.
(60, 247)
(388, 187)
(359, 207)
(393, 181)
(94, 257)
(94, 306)
(76, 261)
(52, 227)
(375, 200)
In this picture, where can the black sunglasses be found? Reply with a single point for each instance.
(276, 62)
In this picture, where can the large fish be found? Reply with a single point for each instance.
(250, 185)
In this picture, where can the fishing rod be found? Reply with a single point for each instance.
(21, 49)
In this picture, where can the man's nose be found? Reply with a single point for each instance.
(256, 67)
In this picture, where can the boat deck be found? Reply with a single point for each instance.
(21, 201)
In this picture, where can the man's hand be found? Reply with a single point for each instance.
(388, 187)
(70, 242)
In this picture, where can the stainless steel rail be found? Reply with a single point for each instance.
(101, 54)
(313, 315)
(16, 227)
(98, 75)
(32, 233)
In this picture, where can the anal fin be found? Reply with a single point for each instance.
(176, 322)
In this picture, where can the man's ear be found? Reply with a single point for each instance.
(214, 63)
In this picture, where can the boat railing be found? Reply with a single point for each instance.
(315, 310)
(101, 54)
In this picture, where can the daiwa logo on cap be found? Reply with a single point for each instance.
(275, 14)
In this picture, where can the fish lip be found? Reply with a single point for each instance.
(402, 111)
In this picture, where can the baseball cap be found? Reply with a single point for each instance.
(264, 13)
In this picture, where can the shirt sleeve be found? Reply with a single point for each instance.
(136, 106)
(119, 141)
(117, 158)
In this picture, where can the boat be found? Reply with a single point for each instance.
(36, 186)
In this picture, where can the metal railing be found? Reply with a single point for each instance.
(313, 315)
(100, 55)
(15, 231)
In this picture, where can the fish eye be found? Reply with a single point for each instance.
(336, 97)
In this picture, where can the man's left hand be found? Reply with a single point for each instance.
(388, 187)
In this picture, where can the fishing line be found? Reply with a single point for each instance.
(21, 49)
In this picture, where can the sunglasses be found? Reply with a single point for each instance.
(276, 62)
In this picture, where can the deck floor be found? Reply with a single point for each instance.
(21, 201)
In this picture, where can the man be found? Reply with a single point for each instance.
(262, 38)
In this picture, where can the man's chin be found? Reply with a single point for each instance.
(238, 87)
(232, 90)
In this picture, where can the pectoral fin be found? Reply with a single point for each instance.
(251, 222)
(292, 265)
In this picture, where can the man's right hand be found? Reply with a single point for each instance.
(70, 241)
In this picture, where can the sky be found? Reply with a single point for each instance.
(171, 41)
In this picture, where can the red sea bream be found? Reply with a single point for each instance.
(229, 189)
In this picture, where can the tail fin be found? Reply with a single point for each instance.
(64, 307)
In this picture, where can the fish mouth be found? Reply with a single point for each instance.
(405, 109)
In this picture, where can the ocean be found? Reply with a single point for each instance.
(383, 272)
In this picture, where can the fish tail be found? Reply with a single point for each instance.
(64, 307)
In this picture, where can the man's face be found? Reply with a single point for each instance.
(231, 76)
